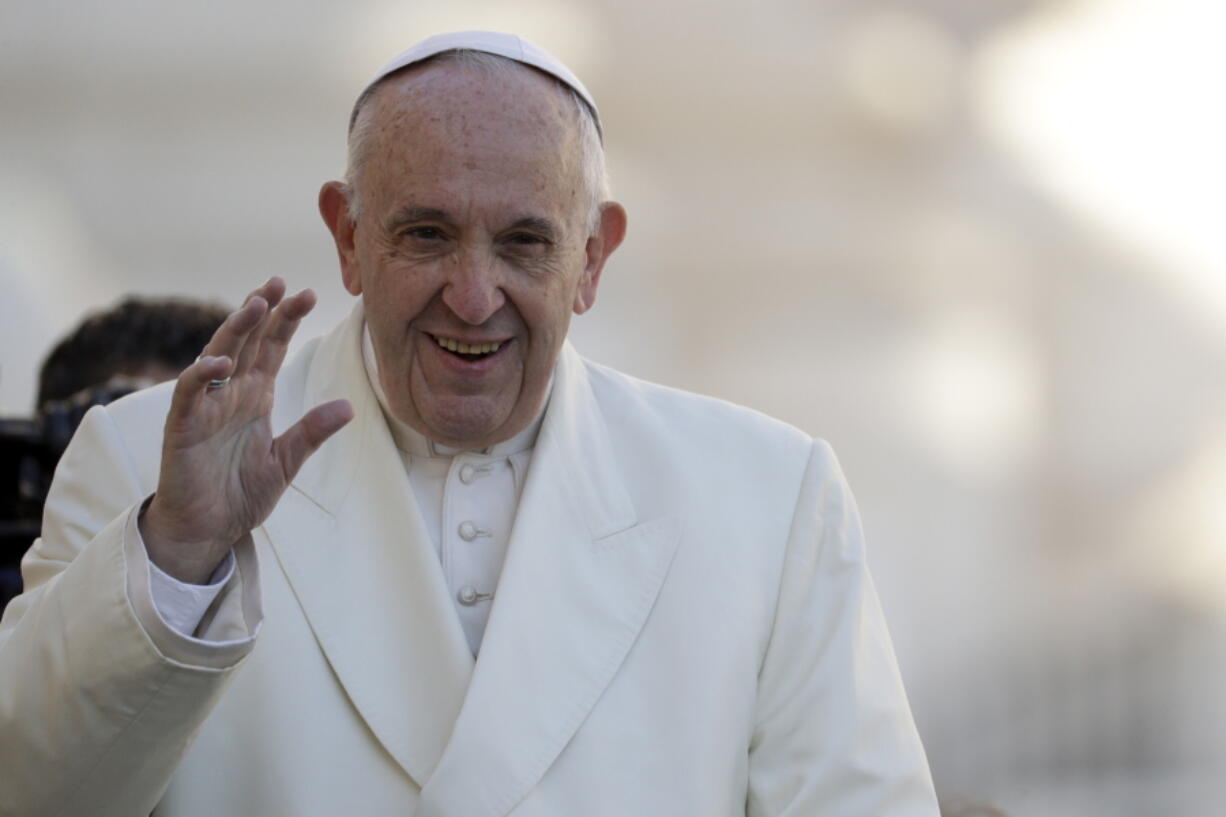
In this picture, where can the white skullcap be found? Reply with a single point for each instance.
(491, 42)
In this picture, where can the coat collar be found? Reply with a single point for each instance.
(581, 575)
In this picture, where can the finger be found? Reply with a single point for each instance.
(235, 331)
(232, 335)
(194, 382)
(271, 292)
(280, 329)
(306, 436)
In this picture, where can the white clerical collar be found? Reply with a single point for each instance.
(415, 444)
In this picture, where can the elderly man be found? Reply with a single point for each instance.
(667, 594)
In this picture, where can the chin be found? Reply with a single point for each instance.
(468, 426)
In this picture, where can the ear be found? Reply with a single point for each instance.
(600, 246)
(334, 207)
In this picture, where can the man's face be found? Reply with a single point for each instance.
(471, 250)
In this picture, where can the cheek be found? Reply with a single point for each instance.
(548, 324)
(548, 298)
(400, 287)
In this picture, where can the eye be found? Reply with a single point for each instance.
(523, 242)
(424, 233)
(525, 239)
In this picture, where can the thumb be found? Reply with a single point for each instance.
(304, 437)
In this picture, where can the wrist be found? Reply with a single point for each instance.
(191, 562)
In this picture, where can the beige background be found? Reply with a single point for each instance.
(973, 243)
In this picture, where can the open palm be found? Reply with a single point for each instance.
(222, 469)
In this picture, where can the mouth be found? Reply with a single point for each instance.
(469, 351)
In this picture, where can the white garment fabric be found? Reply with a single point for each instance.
(180, 604)
(684, 625)
(467, 499)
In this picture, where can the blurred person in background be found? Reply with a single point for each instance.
(137, 343)
(505, 580)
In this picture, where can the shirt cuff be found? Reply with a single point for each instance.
(183, 605)
(225, 632)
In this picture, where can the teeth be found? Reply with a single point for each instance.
(452, 345)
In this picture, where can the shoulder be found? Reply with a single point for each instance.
(137, 418)
(698, 439)
(699, 419)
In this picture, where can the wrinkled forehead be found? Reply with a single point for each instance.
(445, 127)
(446, 86)
(517, 106)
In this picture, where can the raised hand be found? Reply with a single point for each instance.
(222, 470)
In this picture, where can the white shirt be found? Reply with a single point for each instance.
(468, 501)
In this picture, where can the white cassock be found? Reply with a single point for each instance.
(683, 625)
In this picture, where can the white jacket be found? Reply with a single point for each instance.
(684, 626)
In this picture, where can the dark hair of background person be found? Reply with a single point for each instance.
(139, 337)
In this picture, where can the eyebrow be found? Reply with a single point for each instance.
(409, 215)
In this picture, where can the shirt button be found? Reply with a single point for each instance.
(468, 531)
(467, 596)
(467, 474)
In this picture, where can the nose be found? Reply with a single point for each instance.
(474, 288)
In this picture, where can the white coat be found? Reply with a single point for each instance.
(684, 626)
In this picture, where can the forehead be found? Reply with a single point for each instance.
(491, 89)
(449, 120)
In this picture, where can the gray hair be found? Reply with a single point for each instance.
(595, 175)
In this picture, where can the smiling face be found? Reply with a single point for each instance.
(472, 245)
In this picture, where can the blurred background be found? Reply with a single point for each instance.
(973, 243)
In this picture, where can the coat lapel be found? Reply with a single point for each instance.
(352, 544)
(581, 575)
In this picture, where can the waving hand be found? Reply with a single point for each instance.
(222, 470)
